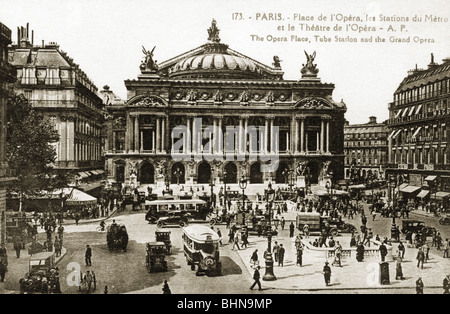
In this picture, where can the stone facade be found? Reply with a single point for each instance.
(419, 127)
(7, 78)
(62, 92)
(213, 112)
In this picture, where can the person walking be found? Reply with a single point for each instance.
(244, 237)
(276, 250)
(306, 230)
(300, 254)
(291, 230)
(166, 289)
(254, 258)
(57, 247)
(236, 240)
(401, 250)
(446, 284)
(360, 252)
(17, 246)
(398, 269)
(446, 248)
(256, 277)
(419, 286)
(327, 273)
(420, 258)
(282, 223)
(426, 251)
(337, 254)
(60, 232)
(219, 233)
(281, 252)
(88, 256)
(383, 251)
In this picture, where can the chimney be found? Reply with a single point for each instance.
(373, 120)
(346, 123)
(432, 65)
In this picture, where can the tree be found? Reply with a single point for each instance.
(29, 151)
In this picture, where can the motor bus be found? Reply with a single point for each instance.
(201, 249)
(196, 208)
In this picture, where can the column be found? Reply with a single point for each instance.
(158, 135)
(214, 141)
(390, 150)
(220, 150)
(163, 134)
(328, 137)
(194, 136)
(302, 135)
(295, 136)
(239, 137)
(271, 135)
(136, 134)
(153, 141)
(142, 142)
(322, 133)
(188, 136)
(317, 141)
(266, 136)
(70, 139)
(245, 134)
(129, 134)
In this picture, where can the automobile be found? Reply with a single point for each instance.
(253, 222)
(445, 220)
(155, 258)
(416, 226)
(236, 196)
(175, 218)
(164, 236)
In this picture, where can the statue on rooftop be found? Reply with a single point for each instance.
(213, 32)
(148, 63)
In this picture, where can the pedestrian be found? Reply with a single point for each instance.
(166, 289)
(236, 240)
(244, 237)
(446, 248)
(282, 223)
(363, 219)
(401, 250)
(60, 232)
(17, 246)
(291, 229)
(419, 286)
(219, 233)
(337, 254)
(88, 280)
(398, 269)
(446, 284)
(426, 250)
(374, 215)
(360, 252)
(254, 258)
(383, 251)
(306, 230)
(420, 258)
(256, 277)
(438, 241)
(327, 273)
(368, 237)
(281, 256)
(105, 291)
(300, 254)
(88, 256)
(57, 247)
(276, 250)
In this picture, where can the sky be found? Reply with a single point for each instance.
(105, 37)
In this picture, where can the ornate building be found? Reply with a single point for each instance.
(213, 113)
(7, 78)
(419, 130)
(62, 92)
(366, 150)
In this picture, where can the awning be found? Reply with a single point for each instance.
(410, 189)
(397, 133)
(430, 178)
(423, 193)
(419, 108)
(402, 186)
(83, 174)
(411, 110)
(100, 171)
(398, 113)
(405, 112)
(390, 135)
(439, 195)
(416, 132)
(78, 197)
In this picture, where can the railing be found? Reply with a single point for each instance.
(54, 103)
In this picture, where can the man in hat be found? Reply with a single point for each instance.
(256, 276)
(420, 257)
(419, 286)
(446, 284)
(327, 273)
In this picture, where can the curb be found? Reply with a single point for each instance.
(84, 222)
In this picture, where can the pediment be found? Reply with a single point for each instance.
(146, 101)
(314, 103)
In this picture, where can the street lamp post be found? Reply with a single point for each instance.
(243, 186)
(269, 275)
(225, 190)
(211, 184)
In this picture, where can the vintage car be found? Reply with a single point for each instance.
(316, 223)
(201, 249)
(155, 258)
(164, 236)
(254, 222)
(416, 226)
(117, 237)
(445, 220)
(176, 218)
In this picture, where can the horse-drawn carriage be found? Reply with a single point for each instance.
(43, 276)
(117, 237)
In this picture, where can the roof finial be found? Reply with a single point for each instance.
(213, 32)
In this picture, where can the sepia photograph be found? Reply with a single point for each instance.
(224, 152)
